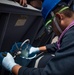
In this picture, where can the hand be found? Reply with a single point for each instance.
(34, 50)
(22, 2)
(7, 61)
(36, 3)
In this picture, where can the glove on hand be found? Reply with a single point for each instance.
(34, 50)
(7, 61)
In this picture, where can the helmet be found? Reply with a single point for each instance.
(47, 6)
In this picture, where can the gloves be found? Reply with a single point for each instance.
(34, 50)
(7, 61)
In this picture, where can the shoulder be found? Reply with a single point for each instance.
(70, 31)
(68, 38)
(69, 34)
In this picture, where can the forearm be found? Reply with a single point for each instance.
(42, 48)
(15, 69)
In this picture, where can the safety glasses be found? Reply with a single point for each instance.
(53, 16)
(48, 24)
(49, 21)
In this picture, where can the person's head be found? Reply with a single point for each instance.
(58, 13)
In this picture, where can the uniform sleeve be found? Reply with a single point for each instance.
(51, 47)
